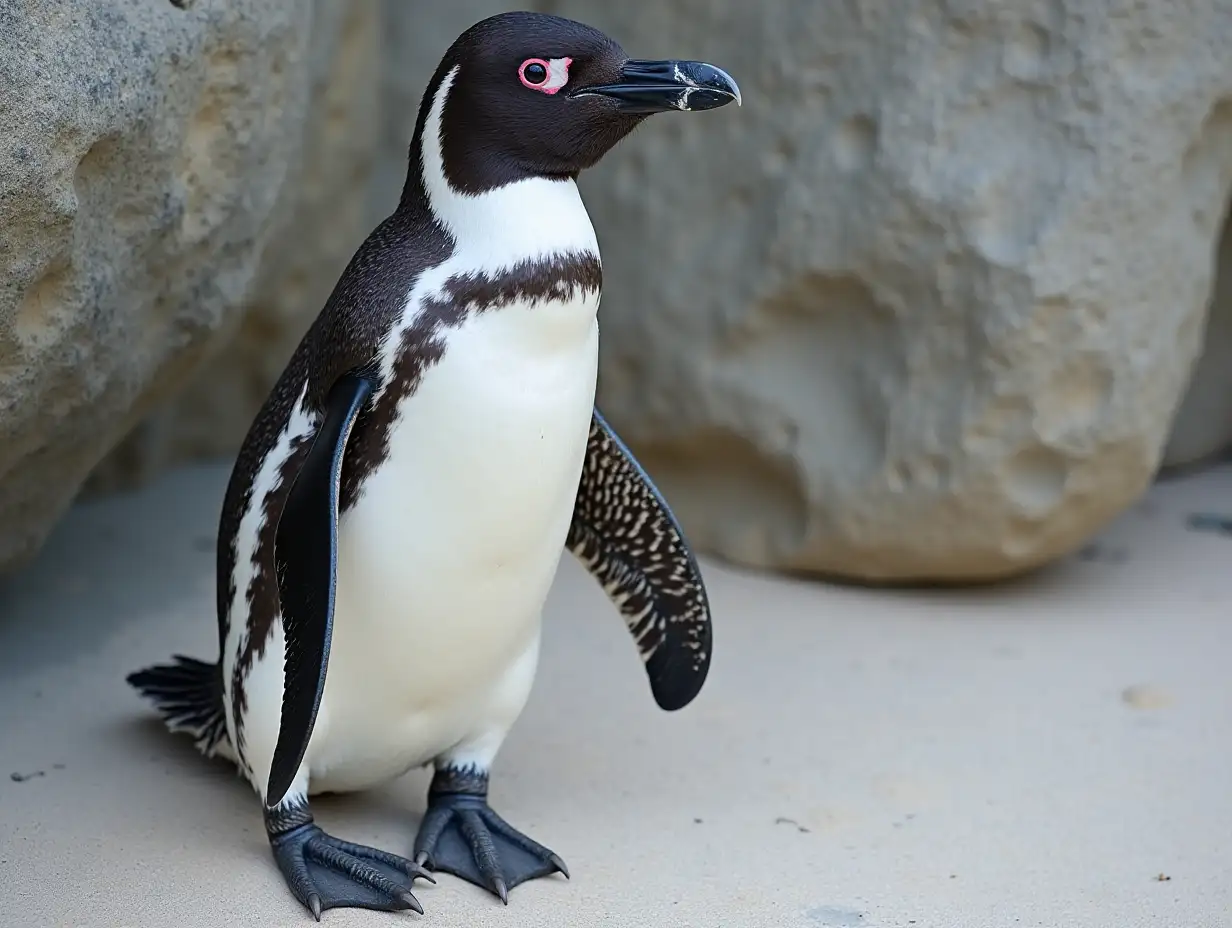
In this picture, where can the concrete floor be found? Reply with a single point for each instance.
(1056, 752)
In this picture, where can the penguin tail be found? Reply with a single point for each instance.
(188, 696)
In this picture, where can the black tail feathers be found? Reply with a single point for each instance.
(188, 695)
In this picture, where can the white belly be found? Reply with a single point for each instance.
(448, 556)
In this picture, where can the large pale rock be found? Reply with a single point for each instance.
(234, 158)
(318, 221)
(144, 150)
(924, 307)
(369, 62)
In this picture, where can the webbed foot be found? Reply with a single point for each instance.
(324, 872)
(461, 835)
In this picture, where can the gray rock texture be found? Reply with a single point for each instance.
(367, 66)
(320, 216)
(144, 150)
(923, 309)
(926, 307)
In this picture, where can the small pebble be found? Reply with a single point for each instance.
(1145, 696)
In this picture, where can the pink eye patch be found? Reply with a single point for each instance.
(547, 75)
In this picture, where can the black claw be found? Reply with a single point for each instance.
(411, 902)
(501, 890)
(559, 864)
(314, 906)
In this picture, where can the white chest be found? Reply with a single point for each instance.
(447, 558)
(460, 529)
(484, 458)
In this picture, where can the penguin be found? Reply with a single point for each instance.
(397, 511)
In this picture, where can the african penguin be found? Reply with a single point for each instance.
(398, 509)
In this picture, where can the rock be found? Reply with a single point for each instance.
(145, 150)
(1202, 428)
(320, 217)
(247, 149)
(369, 63)
(923, 309)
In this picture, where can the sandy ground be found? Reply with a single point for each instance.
(1056, 752)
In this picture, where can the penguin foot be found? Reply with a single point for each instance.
(461, 835)
(325, 873)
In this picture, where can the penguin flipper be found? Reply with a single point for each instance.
(625, 534)
(306, 554)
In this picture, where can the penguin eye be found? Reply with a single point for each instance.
(547, 75)
(534, 73)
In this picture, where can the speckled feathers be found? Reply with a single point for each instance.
(626, 536)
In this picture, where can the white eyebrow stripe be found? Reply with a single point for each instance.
(558, 74)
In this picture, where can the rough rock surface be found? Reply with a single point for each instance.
(249, 149)
(369, 62)
(924, 308)
(319, 219)
(144, 149)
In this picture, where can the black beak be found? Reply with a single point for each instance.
(656, 86)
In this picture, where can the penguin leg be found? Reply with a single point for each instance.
(324, 872)
(460, 834)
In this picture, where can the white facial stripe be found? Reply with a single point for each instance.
(532, 218)
(558, 74)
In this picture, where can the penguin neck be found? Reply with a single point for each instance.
(496, 228)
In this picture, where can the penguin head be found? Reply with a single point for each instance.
(535, 95)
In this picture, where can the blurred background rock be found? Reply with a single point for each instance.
(937, 303)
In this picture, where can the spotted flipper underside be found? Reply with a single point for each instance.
(306, 553)
(625, 534)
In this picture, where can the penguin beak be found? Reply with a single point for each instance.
(657, 86)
